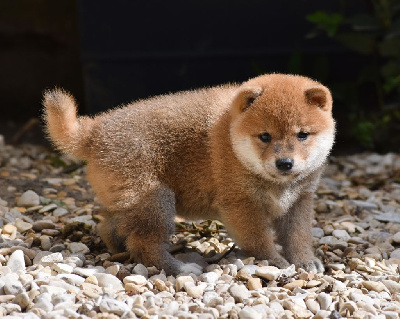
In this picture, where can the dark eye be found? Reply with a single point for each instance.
(302, 136)
(265, 137)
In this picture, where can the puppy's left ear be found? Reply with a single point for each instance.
(319, 96)
(244, 98)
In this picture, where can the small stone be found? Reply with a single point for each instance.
(113, 306)
(392, 286)
(62, 268)
(348, 308)
(113, 270)
(324, 300)
(337, 266)
(296, 283)
(365, 205)
(395, 254)
(16, 261)
(249, 313)
(59, 212)
(90, 290)
(299, 311)
(47, 208)
(374, 285)
(160, 285)
(9, 229)
(50, 259)
(29, 199)
(52, 290)
(396, 238)
(50, 232)
(254, 284)
(135, 279)
(322, 314)
(140, 269)
(13, 288)
(193, 290)
(86, 272)
(393, 217)
(71, 279)
(268, 272)
(45, 242)
(22, 226)
(349, 226)
(313, 305)
(43, 224)
(243, 274)
(209, 277)
(92, 280)
(251, 269)
(209, 296)
(12, 215)
(78, 248)
(313, 283)
(317, 232)
(239, 292)
(341, 234)
(180, 282)
(390, 314)
(107, 280)
(6, 298)
(22, 300)
(57, 248)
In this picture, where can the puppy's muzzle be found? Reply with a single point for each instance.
(284, 164)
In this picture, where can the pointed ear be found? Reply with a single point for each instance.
(244, 98)
(319, 96)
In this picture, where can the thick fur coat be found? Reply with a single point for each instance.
(250, 155)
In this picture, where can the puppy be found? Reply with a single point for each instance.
(250, 155)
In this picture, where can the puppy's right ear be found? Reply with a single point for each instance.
(244, 98)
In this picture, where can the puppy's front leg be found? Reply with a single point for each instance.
(295, 235)
(252, 230)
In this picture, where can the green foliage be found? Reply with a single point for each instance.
(374, 33)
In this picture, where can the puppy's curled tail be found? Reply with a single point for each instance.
(69, 133)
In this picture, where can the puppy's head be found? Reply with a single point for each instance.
(282, 126)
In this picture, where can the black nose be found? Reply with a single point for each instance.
(284, 164)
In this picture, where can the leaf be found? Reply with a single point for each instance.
(57, 162)
(391, 84)
(359, 42)
(328, 22)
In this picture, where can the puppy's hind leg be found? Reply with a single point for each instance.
(148, 226)
(108, 231)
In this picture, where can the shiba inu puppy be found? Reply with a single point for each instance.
(250, 155)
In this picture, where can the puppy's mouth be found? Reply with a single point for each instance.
(284, 175)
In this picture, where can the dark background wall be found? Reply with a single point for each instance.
(112, 52)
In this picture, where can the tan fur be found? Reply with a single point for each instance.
(198, 154)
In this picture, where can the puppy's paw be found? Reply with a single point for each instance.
(315, 265)
(278, 261)
(191, 268)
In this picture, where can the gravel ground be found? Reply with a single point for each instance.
(53, 264)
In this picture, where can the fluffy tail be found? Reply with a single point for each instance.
(69, 133)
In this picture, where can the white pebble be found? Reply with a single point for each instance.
(268, 272)
(107, 280)
(324, 300)
(135, 279)
(16, 261)
(29, 199)
(181, 280)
